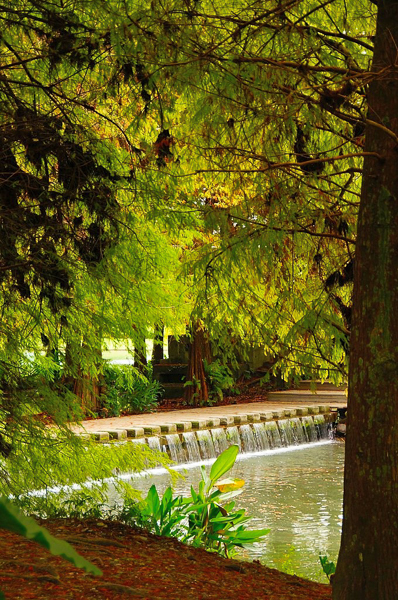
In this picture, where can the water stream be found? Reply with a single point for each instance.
(205, 444)
(295, 491)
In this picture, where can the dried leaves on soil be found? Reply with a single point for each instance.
(136, 564)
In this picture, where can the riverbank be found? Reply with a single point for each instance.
(137, 564)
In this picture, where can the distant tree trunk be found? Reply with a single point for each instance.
(157, 354)
(140, 360)
(89, 388)
(367, 567)
(199, 349)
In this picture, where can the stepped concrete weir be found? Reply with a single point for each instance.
(204, 444)
(197, 434)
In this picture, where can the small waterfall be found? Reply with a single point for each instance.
(321, 427)
(272, 431)
(247, 437)
(219, 439)
(176, 449)
(309, 428)
(154, 443)
(191, 446)
(206, 445)
(286, 432)
(260, 435)
(138, 441)
(232, 435)
(297, 431)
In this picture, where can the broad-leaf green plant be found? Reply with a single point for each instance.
(328, 567)
(207, 517)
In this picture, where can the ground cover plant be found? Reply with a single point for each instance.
(206, 518)
(128, 390)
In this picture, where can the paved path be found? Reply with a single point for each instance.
(199, 418)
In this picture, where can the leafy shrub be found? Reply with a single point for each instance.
(128, 390)
(202, 519)
(219, 378)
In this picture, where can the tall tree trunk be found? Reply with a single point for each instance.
(89, 388)
(140, 360)
(367, 567)
(199, 349)
(157, 353)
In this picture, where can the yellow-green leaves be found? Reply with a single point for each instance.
(229, 485)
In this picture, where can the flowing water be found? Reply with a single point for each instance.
(154, 443)
(294, 491)
(176, 448)
(192, 446)
(273, 434)
(206, 444)
(260, 434)
(232, 435)
(220, 440)
(248, 439)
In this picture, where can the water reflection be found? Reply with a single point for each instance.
(297, 494)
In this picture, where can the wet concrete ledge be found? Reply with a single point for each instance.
(140, 426)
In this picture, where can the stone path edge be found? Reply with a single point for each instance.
(143, 425)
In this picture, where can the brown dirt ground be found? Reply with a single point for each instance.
(248, 395)
(137, 564)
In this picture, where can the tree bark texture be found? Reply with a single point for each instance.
(88, 388)
(140, 360)
(157, 353)
(197, 393)
(367, 567)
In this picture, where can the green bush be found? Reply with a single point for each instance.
(128, 390)
(220, 379)
(206, 518)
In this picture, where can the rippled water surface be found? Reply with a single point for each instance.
(297, 493)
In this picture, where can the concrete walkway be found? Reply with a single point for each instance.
(135, 426)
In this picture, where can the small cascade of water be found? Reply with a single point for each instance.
(286, 432)
(176, 449)
(154, 443)
(260, 435)
(247, 437)
(219, 439)
(309, 428)
(272, 431)
(297, 431)
(191, 446)
(206, 444)
(232, 435)
(138, 441)
(321, 427)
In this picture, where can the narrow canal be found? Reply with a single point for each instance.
(296, 492)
